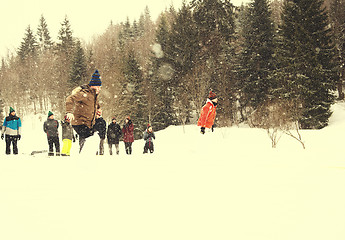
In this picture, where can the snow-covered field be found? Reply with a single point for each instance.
(229, 184)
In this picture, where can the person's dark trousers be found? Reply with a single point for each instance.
(116, 147)
(54, 141)
(148, 146)
(11, 139)
(81, 143)
(128, 146)
(84, 132)
(110, 146)
(101, 147)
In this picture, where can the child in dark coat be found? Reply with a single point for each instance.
(50, 127)
(113, 134)
(148, 137)
(100, 127)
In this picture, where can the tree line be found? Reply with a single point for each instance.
(265, 58)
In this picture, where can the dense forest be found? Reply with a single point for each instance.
(278, 63)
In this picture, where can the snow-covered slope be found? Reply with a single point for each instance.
(229, 184)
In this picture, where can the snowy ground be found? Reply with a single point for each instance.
(229, 184)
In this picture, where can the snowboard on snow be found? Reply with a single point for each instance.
(38, 152)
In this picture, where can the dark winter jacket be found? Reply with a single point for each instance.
(148, 136)
(83, 104)
(100, 127)
(50, 127)
(128, 132)
(114, 133)
(12, 125)
(67, 130)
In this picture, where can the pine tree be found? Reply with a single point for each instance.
(134, 99)
(161, 79)
(257, 53)
(125, 35)
(65, 37)
(182, 56)
(44, 39)
(79, 68)
(306, 67)
(148, 23)
(216, 29)
(215, 24)
(183, 43)
(1, 110)
(2, 73)
(276, 6)
(128, 30)
(337, 18)
(136, 31)
(28, 47)
(3, 67)
(214, 16)
(141, 25)
(63, 64)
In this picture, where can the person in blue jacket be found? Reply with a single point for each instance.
(11, 131)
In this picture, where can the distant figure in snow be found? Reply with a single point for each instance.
(113, 135)
(149, 135)
(67, 137)
(11, 130)
(50, 127)
(208, 113)
(128, 134)
(100, 127)
(82, 106)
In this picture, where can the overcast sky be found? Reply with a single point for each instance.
(87, 18)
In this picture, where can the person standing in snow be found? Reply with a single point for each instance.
(11, 130)
(100, 127)
(82, 106)
(50, 127)
(208, 113)
(113, 135)
(149, 135)
(67, 137)
(128, 134)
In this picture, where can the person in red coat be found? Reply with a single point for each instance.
(128, 134)
(208, 113)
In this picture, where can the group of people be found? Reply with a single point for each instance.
(84, 116)
(113, 134)
(84, 112)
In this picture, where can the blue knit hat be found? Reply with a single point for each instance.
(11, 110)
(95, 79)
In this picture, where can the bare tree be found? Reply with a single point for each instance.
(277, 118)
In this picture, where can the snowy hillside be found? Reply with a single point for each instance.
(229, 184)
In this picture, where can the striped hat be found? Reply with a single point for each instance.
(95, 79)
